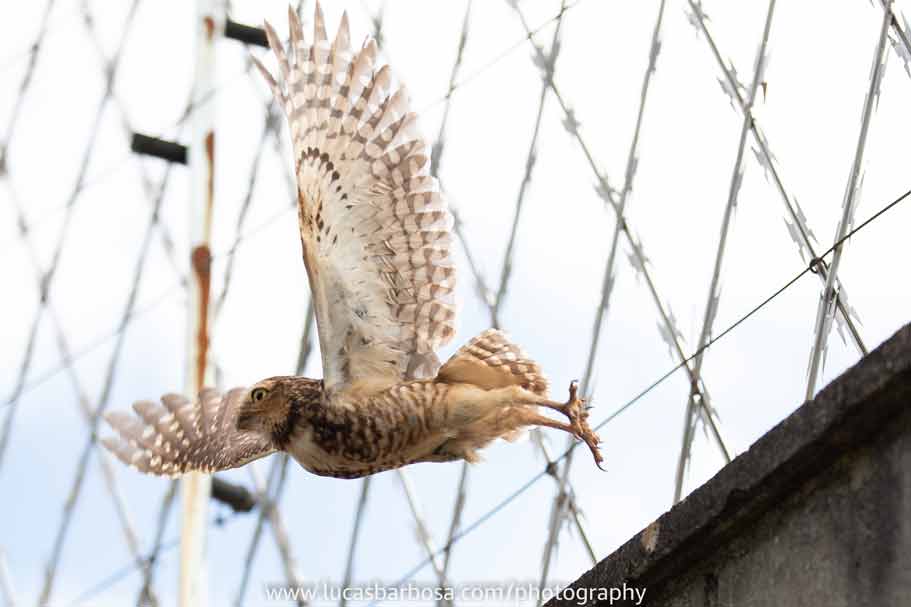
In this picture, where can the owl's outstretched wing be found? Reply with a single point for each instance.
(181, 436)
(374, 227)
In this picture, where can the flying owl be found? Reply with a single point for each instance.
(375, 233)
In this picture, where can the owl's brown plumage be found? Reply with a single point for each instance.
(375, 238)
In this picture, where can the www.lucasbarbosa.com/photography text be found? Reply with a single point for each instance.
(501, 593)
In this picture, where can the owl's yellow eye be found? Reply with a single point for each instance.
(258, 394)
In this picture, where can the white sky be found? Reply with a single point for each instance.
(821, 54)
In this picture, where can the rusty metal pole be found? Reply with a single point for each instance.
(195, 488)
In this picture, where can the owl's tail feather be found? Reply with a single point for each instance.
(491, 361)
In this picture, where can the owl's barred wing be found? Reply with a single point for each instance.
(374, 226)
(181, 436)
(491, 361)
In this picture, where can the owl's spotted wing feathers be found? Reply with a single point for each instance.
(180, 436)
(374, 226)
(491, 361)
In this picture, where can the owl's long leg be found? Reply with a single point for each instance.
(574, 408)
(591, 439)
(478, 416)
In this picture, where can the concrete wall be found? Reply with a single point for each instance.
(816, 513)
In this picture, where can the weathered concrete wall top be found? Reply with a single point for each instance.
(816, 513)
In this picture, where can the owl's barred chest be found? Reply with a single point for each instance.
(353, 437)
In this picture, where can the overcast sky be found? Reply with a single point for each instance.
(810, 110)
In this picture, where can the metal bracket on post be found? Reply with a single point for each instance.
(159, 148)
(255, 36)
(237, 497)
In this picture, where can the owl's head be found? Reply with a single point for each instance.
(271, 406)
(263, 406)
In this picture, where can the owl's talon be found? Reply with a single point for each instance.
(577, 410)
